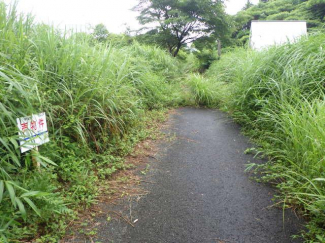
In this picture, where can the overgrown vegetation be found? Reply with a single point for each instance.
(313, 11)
(100, 90)
(278, 96)
(96, 96)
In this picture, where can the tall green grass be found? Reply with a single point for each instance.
(278, 96)
(205, 92)
(96, 97)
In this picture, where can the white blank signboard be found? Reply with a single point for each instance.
(268, 33)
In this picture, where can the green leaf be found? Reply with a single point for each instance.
(2, 187)
(33, 206)
(16, 186)
(41, 159)
(4, 239)
(34, 194)
(14, 142)
(8, 224)
(47, 160)
(12, 194)
(21, 208)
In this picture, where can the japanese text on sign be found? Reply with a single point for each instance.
(32, 131)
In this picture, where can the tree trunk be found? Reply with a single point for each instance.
(179, 45)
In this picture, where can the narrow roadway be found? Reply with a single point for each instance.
(200, 192)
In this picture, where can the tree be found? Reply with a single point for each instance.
(100, 33)
(179, 22)
(248, 5)
(317, 7)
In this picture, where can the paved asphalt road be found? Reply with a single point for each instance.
(201, 192)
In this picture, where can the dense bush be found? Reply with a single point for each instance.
(95, 96)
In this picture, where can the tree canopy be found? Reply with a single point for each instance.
(179, 22)
(100, 33)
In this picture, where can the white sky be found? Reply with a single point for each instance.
(80, 14)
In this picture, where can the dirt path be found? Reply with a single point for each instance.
(198, 191)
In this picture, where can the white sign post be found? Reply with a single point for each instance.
(32, 132)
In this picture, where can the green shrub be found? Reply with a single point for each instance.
(204, 92)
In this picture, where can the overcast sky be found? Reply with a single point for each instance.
(115, 14)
